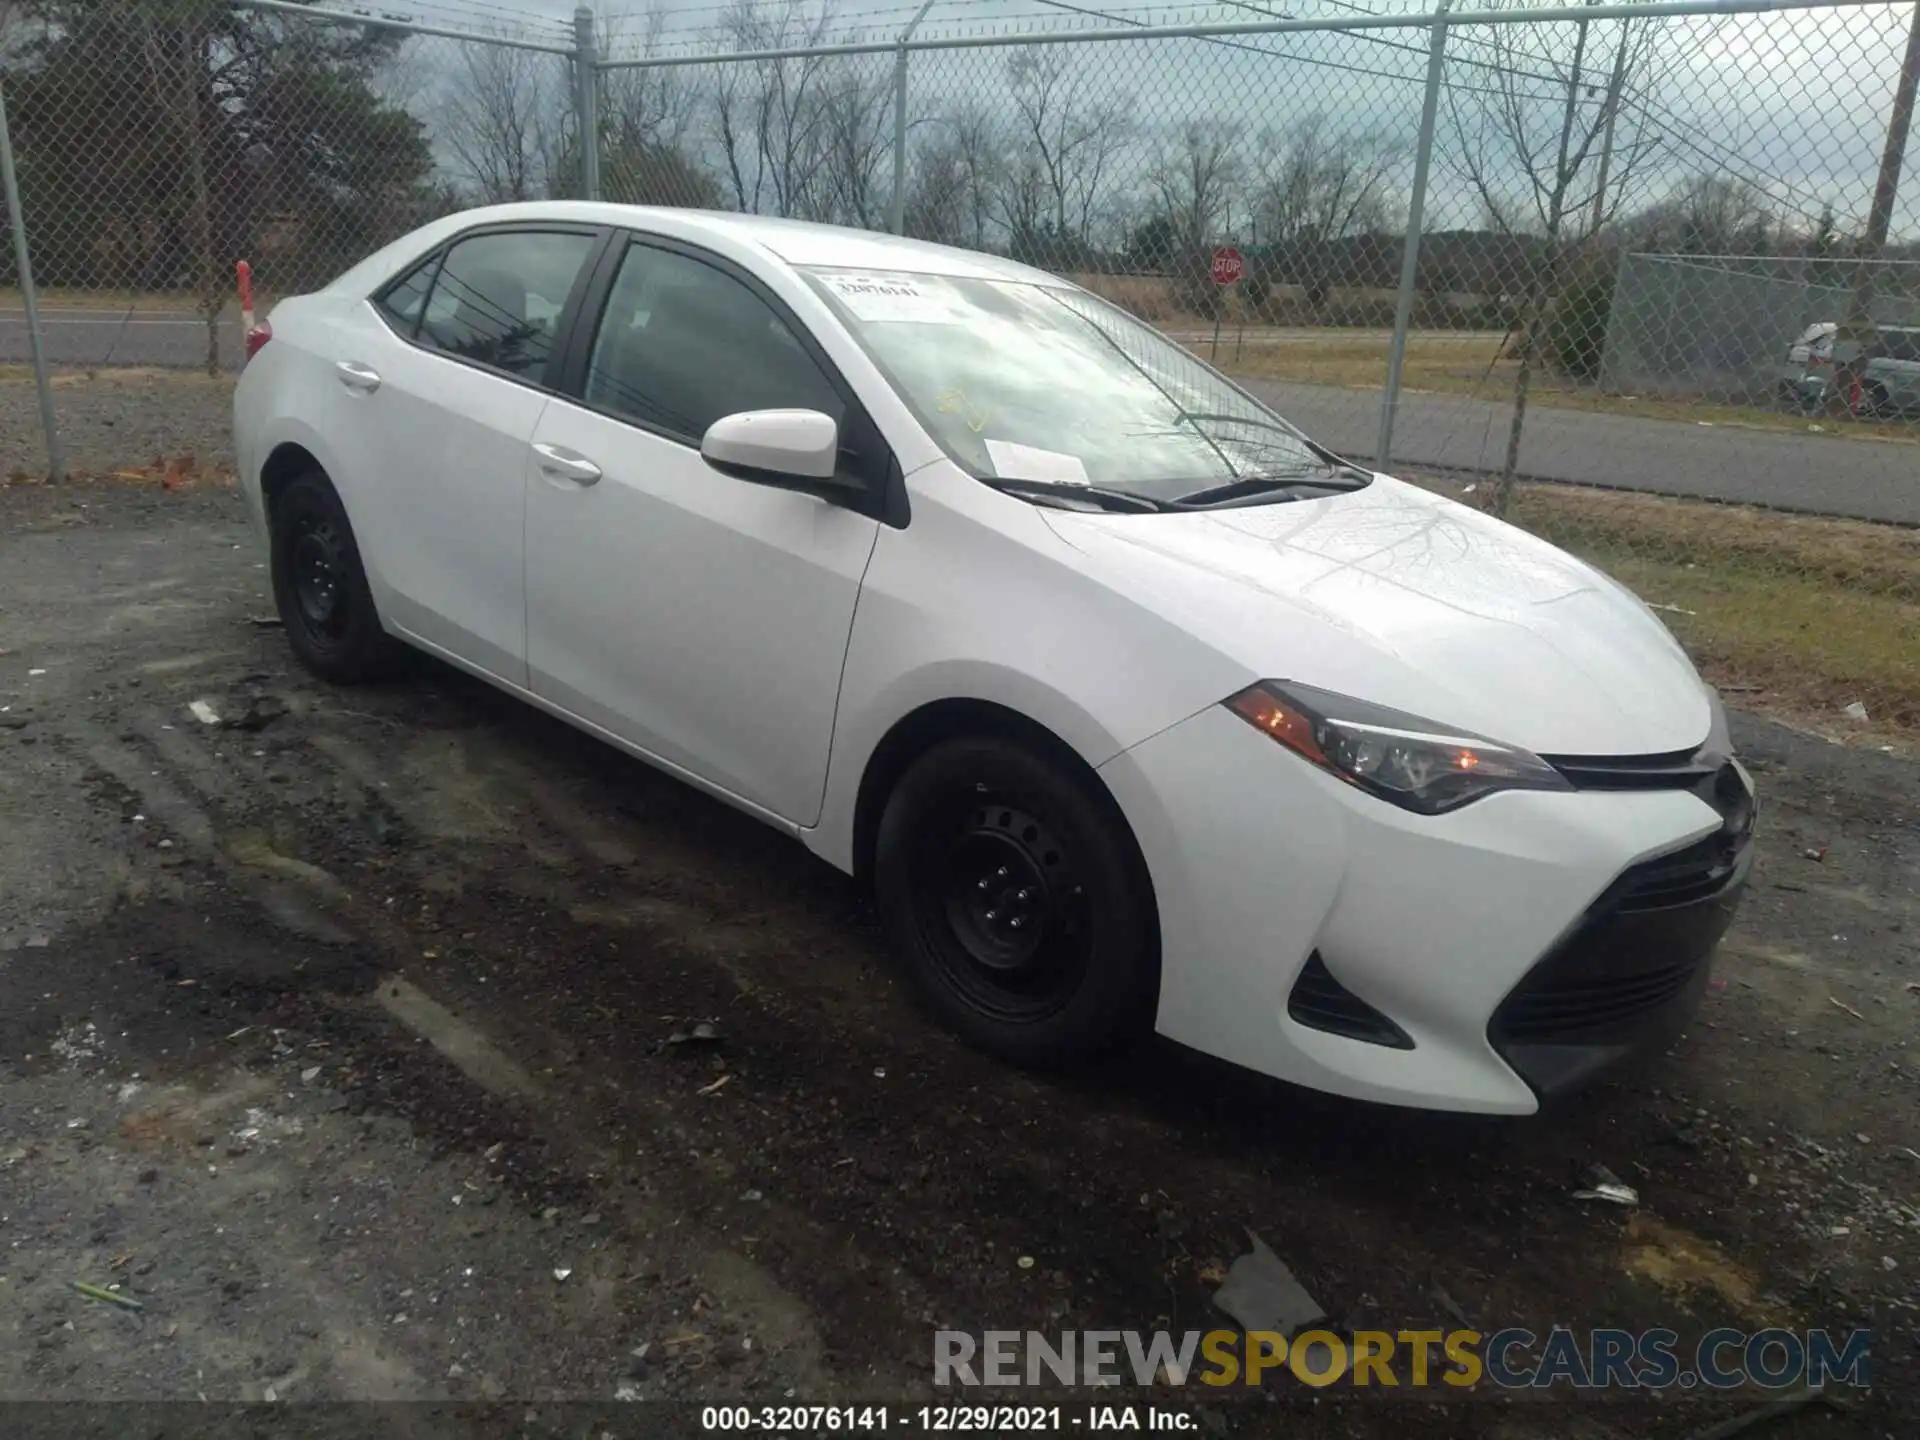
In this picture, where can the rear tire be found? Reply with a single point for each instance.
(1019, 903)
(320, 587)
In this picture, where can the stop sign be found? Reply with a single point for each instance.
(1228, 265)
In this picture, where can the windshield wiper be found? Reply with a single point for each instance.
(1061, 490)
(1223, 419)
(1296, 486)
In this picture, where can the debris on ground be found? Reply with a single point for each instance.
(1261, 1293)
(1856, 711)
(561, 1272)
(703, 1033)
(1840, 1004)
(204, 713)
(1603, 1184)
(266, 622)
(1814, 852)
(261, 712)
(1452, 1306)
(715, 1086)
(111, 1297)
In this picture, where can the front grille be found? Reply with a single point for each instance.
(1674, 770)
(1321, 1002)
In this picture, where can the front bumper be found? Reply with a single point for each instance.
(1470, 961)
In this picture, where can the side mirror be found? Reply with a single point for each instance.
(774, 445)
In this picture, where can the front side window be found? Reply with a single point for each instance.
(1037, 382)
(498, 297)
(683, 343)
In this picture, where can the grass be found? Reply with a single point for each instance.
(1447, 362)
(1797, 616)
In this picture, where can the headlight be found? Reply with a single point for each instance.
(1414, 763)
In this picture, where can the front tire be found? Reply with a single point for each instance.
(1014, 894)
(320, 586)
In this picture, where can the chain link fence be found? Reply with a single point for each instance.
(1668, 247)
(159, 142)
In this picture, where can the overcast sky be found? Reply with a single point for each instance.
(1793, 103)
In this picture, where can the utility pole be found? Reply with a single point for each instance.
(897, 202)
(586, 101)
(1858, 332)
(1606, 137)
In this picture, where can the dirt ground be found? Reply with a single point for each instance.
(345, 1045)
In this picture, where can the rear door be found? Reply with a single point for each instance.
(700, 617)
(434, 398)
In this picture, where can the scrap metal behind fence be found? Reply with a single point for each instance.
(1574, 243)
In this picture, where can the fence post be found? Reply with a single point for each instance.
(586, 101)
(23, 267)
(897, 206)
(1410, 247)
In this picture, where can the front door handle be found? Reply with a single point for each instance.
(359, 377)
(563, 464)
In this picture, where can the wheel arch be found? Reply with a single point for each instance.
(952, 717)
(284, 464)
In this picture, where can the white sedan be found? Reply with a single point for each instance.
(1139, 709)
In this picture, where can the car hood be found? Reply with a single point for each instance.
(1401, 597)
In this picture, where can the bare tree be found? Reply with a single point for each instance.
(856, 120)
(502, 119)
(647, 123)
(1548, 142)
(770, 115)
(1195, 174)
(1705, 215)
(1069, 142)
(1320, 184)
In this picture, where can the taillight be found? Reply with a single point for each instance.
(257, 336)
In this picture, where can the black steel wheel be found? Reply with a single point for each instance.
(1013, 891)
(320, 587)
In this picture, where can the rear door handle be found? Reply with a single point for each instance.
(563, 464)
(357, 377)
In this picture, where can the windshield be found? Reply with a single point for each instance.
(1044, 383)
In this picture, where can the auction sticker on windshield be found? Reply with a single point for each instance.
(895, 298)
(1013, 461)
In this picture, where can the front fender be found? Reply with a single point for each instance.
(978, 599)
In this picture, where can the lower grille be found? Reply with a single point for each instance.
(1561, 1006)
(1321, 1002)
(1696, 873)
(1642, 949)
(1636, 965)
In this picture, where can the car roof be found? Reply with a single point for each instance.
(797, 242)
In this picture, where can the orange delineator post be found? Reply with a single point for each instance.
(245, 273)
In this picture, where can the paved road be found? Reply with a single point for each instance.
(1865, 479)
(1868, 480)
(117, 337)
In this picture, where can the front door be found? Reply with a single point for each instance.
(700, 617)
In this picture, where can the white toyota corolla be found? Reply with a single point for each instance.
(1139, 709)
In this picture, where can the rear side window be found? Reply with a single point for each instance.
(403, 301)
(682, 343)
(497, 298)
